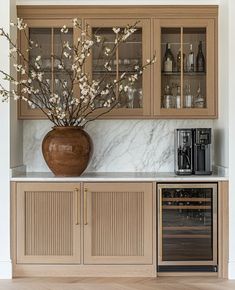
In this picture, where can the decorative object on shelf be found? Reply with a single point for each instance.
(76, 151)
(74, 105)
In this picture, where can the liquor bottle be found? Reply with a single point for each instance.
(200, 59)
(188, 98)
(178, 98)
(168, 62)
(179, 61)
(191, 59)
(199, 101)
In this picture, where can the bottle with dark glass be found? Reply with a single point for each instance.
(200, 62)
(168, 61)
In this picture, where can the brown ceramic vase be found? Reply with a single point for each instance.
(67, 150)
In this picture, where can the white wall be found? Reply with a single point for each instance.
(5, 261)
(231, 32)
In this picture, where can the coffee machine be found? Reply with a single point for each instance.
(193, 151)
(183, 151)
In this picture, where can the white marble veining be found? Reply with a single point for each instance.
(119, 145)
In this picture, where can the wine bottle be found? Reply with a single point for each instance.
(179, 61)
(191, 59)
(200, 59)
(168, 63)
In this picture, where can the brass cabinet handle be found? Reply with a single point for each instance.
(77, 191)
(85, 206)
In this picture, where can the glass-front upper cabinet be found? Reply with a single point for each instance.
(135, 101)
(185, 73)
(48, 44)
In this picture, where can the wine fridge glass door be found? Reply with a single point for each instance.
(187, 224)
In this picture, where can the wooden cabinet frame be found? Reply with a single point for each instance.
(144, 24)
(24, 111)
(211, 69)
(152, 18)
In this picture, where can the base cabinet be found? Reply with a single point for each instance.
(48, 223)
(118, 223)
(73, 229)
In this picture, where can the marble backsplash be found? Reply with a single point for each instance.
(119, 145)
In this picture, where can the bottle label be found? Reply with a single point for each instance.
(190, 62)
(168, 65)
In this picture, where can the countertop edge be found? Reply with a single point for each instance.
(120, 179)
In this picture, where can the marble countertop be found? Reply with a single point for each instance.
(117, 177)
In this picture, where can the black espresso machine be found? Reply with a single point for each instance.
(193, 151)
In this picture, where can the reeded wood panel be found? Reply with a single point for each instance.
(124, 227)
(119, 223)
(46, 229)
(49, 223)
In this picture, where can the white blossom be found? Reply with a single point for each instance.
(76, 22)
(20, 24)
(116, 29)
(66, 54)
(38, 58)
(64, 29)
(13, 49)
(39, 76)
(15, 95)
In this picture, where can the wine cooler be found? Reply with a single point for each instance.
(187, 227)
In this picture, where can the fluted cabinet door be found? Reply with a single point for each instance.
(48, 223)
(118, 223)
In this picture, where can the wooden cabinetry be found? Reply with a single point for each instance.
(59, 225)
(158, 25)
(133, 52)
(118, 223)
(47, 34)
(196, 86)
(48, 223)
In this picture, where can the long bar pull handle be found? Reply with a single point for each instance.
(77, 191)
(85, 206)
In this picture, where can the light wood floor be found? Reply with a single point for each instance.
(161, 283)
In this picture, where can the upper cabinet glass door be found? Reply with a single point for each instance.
(50, 47)
(133, 52)
(186, 68)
